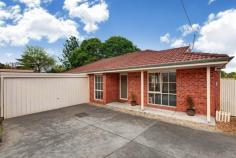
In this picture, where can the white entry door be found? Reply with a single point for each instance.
(123, 86)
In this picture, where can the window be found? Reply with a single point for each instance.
(162, 88)
(98, 84)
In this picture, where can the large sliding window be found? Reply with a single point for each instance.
(162, 88)
(98, 91)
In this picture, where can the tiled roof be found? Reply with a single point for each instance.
(148, 58)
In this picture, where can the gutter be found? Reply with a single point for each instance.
(40, 75)
(194, 63)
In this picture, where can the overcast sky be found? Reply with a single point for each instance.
(150, 24)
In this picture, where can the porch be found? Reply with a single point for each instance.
(158, 91)
(165, 115)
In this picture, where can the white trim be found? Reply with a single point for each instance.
(40, 75)
(94, 88)
(208, 93)
(142, 90)
(161, 67)
(123, 74)
(161, 71)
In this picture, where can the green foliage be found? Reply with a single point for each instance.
(5, 66)
(133, 97)
(228, 75)
(2, 66)
(190, 102)
(93, 49)
(117, 45)
(36, 58)
(57, 69)
(68, 55)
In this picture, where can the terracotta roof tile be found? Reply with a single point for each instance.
(147, 58)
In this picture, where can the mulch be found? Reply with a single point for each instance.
(229, 128)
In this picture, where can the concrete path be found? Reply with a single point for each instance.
(94, 132)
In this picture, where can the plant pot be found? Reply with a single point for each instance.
(133, 103)
(191, 112)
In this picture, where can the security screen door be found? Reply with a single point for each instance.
(123, 86)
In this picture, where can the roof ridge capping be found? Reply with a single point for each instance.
(211, 54)
(185, 48)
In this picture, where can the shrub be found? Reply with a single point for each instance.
(190, 102)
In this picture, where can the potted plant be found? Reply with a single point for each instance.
(133, 100)
(191, 109)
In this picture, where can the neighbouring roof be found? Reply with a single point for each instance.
(150, 58)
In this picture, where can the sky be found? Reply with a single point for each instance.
(149, 24)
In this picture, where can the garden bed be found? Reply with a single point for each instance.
(229, 128)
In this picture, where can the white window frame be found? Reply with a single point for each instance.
(124, 74)
(159, 92)
(98, 90)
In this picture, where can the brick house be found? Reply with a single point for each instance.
(161, 79)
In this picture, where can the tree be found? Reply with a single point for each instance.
(57, 69)
(81, 58)
(6, 66)
(223, 74)
(2, 66)
(92, 47)
(68, 55)
(117, 45)
(228, 75)
(36, 58)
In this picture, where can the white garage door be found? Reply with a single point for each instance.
(31, 94)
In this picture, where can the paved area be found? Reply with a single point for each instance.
(94, 132)
(167, 114)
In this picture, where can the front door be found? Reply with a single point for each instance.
(123, 86)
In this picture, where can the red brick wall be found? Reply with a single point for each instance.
(215, 91)
(192, 82)
(145, 88)
(110, 88)
(134, 86)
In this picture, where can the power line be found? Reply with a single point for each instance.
(189, 21)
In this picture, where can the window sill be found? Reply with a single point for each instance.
(159, 105)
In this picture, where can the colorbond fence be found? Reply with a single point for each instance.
(228, 96)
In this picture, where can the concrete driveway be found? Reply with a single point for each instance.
(89, 131)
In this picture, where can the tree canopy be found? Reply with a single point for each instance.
(117, 45)
(228, 75)
(92, 47)
(75, 54)
(69, 59)
(36, 58)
